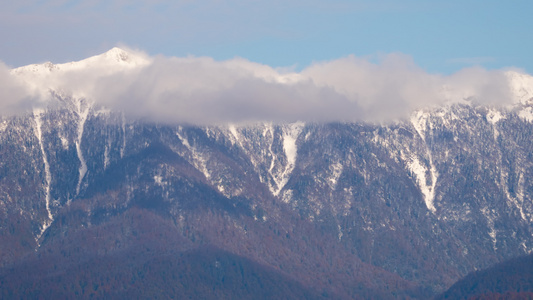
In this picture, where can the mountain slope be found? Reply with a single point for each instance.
(400, 209)
(512, 279)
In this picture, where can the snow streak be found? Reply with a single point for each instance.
(428, 191)
(290, 136)
(419, 122)
(123, 123)
(199, 162)
(489, 215)
(82, 110)
(48, 176)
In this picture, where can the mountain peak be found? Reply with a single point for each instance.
(117, 54)
(114, 57)
(116, 50)
(49, 76)
(110, 60)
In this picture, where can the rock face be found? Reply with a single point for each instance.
(341, 209)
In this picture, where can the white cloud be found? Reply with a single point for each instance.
(478, 84)
(394, 85)
(201, 90)
(14, 96)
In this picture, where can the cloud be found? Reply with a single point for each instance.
(15, 98)
(201, 90)
(480, 85)
(390, 88)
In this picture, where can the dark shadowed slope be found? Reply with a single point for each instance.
(512, 279)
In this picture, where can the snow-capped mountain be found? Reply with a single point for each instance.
(343, 210)
(43, 78)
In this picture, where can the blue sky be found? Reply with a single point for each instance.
(440, 36)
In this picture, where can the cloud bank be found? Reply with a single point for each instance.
(201, 90)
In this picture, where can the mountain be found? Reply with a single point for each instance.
(512, 279)
(95, 203)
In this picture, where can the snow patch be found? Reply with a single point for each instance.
(419, 120)
(199, 162)
(524, 247)
(273, 156)
(286, 196)
(494, 116)
(290, 136)
(158, 180)
(37, 114)
(235, 134)
(183, 140)
(64, 142)
(428, 190)
(526, 114)
(3, 126)
(82, 110)
(123, 125)
(106, 157)
(336, 171)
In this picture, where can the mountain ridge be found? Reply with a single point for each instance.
(116, 60)
(406, 207)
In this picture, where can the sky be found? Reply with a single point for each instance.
(441, 36)
(219, 61)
